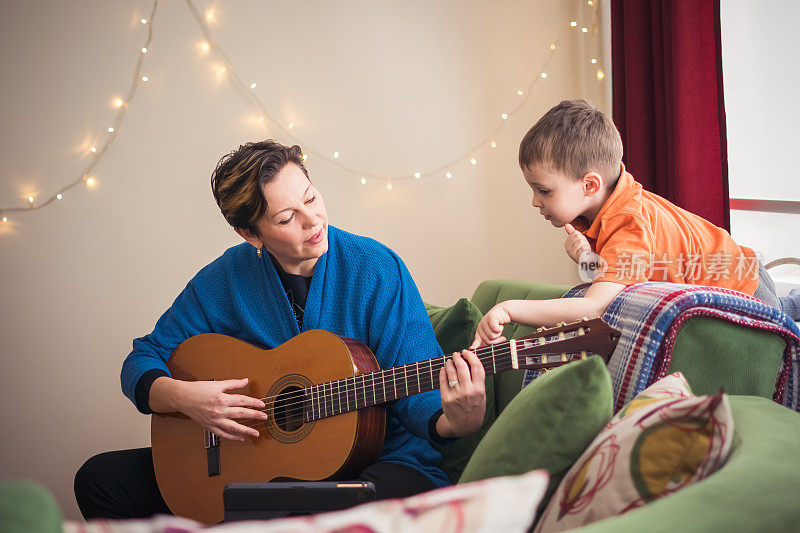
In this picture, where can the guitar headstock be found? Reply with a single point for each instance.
(564, 343)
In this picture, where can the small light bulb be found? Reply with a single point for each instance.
(473, 161)
(389, 186)
(93, 149)
(449, 175)
(519, 92)
(222, 70)
(209, 15)
(573, 23)
(144, 50)
(5, 219)
(143, 21)
(363, 181)
(145, 78)
(253, 85)
(417, 175)
(305, 157)
(543, 75)
(291, 125)
(118, 102)
(336, 155)
(58, 196)
(90, 182)
(503, 116)
(30, 199)
(593, 61)
(261, 118)
(493, 144)
(204, 46)
(600, 75)
(552, 46)
(584, 29)
(110, 130)
(590, 2)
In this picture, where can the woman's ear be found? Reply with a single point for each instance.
(250, 237)
(592, 183)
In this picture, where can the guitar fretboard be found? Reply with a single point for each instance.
(365, 390)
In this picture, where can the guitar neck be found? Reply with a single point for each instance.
(544, 349)
(375, 388)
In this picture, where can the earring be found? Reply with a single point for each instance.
(258, 252)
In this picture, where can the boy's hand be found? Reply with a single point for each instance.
(491, 326)
(576, 243)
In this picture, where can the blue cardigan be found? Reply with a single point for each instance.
(360, 289)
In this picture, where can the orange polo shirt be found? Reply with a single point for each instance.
(643, 237)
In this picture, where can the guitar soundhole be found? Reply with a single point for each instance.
(289, 409)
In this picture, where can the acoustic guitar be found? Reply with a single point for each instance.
(324, 396)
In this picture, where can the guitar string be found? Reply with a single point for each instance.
(482, 357)
(326, 395)
(331, 403)
(329, 398)
(484, 353)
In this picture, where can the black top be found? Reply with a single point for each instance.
(296, 288)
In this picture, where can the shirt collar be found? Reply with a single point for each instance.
(624, 184)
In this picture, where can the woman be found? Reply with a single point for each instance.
(294, 273)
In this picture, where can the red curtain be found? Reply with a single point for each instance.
(668, 101)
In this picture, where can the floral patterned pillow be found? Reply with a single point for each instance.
(664, 439)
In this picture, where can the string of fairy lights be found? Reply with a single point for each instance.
(247, 90)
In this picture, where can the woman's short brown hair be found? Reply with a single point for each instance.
(574, 137)
(240, 175)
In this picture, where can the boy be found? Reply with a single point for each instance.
(572, 160)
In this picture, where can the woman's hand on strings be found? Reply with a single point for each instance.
(463, 389)
(211, 405)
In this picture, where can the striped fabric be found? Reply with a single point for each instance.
(649, 316)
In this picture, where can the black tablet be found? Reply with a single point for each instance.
(254, 501)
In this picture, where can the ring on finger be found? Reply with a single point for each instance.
(452, 383)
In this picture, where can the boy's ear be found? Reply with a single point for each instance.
(250, 237)
(592, 183)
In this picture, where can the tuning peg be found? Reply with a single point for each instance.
(540, 329)
(585, 319)
(561, 324)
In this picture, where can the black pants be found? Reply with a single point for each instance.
(122, 484)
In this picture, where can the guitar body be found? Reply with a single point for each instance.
(288, 447)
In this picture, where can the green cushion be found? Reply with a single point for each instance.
(454, 328)
(548, 425)
(713, 353)
(755, 491)
(26, 506)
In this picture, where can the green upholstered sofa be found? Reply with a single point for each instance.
(756, 490)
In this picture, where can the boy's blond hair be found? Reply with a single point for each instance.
(574, 137)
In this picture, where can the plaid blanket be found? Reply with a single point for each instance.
(649, 316)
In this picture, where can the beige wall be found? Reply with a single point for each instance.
(394, 87)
